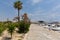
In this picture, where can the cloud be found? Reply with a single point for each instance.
(35, 1)
(50, 15)
(53, 13)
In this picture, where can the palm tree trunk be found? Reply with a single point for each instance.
(18, 16)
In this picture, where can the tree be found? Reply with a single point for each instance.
(18, 6)
(24, 24)
(25, 18)
(41, 21)
(11, 29)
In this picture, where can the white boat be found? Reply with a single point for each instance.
(56, 28)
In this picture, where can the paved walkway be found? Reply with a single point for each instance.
(39, 33)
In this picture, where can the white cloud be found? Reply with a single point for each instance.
(53, 14)
(40, 14)
(35, 1)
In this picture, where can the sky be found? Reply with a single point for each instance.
(46, 10)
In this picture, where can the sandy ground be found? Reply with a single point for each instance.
(37, 32)
(15, 36)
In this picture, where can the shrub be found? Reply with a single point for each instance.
(2, 28)
(23, 28)
(11, 29)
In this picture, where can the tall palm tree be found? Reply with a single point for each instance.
(18, 6)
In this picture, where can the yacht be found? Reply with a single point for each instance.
(57, 28)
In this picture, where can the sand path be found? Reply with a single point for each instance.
(39, 33)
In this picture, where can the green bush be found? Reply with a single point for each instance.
(23, 28)
(16, 24)
(11, 28)
(2, 28)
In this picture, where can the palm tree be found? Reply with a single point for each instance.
(18, 6)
